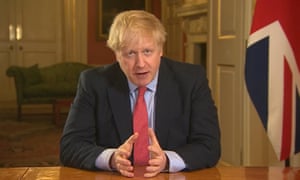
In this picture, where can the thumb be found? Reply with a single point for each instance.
(152, 136)
(131, 140)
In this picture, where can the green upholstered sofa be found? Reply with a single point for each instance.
(44, 85)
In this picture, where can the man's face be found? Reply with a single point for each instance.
(140, 60)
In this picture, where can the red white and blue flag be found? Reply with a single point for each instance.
(272, 72)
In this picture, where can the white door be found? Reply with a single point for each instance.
(30, 34)
(226, 53)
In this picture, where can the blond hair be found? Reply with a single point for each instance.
(132, 24)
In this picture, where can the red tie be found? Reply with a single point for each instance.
(140, 125)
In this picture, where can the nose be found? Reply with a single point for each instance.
(140, 61)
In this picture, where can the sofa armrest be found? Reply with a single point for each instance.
(15, 72)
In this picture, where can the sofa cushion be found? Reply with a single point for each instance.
(62, 72)
(31, 75)
(58, 89)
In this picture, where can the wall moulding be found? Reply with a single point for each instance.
(194, 18)
(108, 9)
(194, 24)
(186, 11)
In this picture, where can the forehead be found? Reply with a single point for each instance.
(139, 42)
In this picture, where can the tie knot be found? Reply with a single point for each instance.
(142, 90)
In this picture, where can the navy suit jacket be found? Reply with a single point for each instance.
(100, 117)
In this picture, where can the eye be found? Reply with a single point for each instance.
(147, 52)
(131, 54)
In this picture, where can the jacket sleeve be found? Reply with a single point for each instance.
(77, 146)
(202, 148)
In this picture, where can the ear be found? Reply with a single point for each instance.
(161, 52)
(118, 56)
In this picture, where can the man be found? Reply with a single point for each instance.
(183, 126)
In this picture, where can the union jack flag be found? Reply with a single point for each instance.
(272, 72)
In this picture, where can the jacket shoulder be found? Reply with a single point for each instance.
(182, 68)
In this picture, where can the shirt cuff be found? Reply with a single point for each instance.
(176, 163)
(102, 161)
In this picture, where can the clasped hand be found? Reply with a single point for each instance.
(120, 159)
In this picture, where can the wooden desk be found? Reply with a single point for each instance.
(220, 173)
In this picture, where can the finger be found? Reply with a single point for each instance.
(155, 162)
(132, 139)
(155, 167)
(127, 173)
(123, 161)
(158, 162)
(151, 174)
(152, 168)
(152, 137)
(126, 148)
(125, 167)
(123, 152)
(154, 150)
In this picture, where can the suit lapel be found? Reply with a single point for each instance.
(166, 103)
(119, 100)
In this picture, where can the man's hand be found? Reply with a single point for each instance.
(158, 159)
(119, 159)
(157, 163)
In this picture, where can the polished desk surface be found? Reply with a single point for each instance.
(221, 173)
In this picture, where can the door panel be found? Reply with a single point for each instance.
(38, 20)
(40, 34)
(227, 98)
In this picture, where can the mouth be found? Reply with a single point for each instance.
(141, 74)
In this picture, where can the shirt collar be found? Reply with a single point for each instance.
(151, 86)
